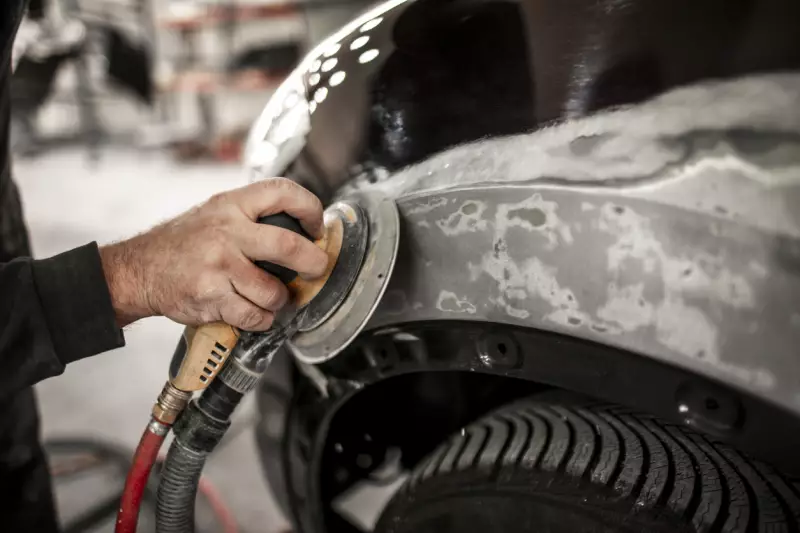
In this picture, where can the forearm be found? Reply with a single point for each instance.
(52, 312)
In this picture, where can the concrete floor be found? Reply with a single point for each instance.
(69, 202)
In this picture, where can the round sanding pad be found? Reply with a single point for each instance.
(342, 325)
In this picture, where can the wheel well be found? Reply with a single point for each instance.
(412, 388)
(435, 378)
(416, 411)
(410, 413)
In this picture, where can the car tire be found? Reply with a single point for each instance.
(575, 466)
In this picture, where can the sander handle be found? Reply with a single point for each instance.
(284, 221)
(203, 350)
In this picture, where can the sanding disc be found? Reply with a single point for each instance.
(341, 326)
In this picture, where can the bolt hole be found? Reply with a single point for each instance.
(712, 404)
(502, 348)
(363, 461)
(380, 276)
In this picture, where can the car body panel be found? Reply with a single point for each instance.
(678, 240)
(622, 173)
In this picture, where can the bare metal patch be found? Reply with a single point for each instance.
(468, 219)
(536, 215)
(519, 280)
(680, 326)
(626, 307)
(451, 303)
(432, 203)
(686, 330)
(702, 275)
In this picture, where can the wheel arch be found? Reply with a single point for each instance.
(521, 361)
(388, 373)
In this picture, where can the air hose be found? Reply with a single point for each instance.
(205, 421)
(136, 482)
(177, 491)
(199, 356)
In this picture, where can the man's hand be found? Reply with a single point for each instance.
(198, 267)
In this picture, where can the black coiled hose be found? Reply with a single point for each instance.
(197, 432)
(199, 429)
(178, 489)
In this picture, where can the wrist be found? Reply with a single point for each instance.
(126, 282)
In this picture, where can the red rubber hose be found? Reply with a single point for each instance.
(143, 460)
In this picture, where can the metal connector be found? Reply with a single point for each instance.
(239, 378)
(171, 402)
(157, 428)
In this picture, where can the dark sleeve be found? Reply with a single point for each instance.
(52, 312)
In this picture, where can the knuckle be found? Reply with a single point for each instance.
(289, 244)
(222, 208)
(216, 253)
(207, 315)
(268, 296)
(273, 295)
(219, 199)
(286, 188)
(224, 215)
(266, 320)
(206, 285)
(219, 211)
(250, 318)
(280, 184)
(240, 314)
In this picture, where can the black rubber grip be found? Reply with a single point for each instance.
(282, 220)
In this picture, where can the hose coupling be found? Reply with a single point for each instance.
(171, 402)
(241, 379)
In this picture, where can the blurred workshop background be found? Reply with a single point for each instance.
(126, 112)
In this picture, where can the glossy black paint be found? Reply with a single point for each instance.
(446, 72)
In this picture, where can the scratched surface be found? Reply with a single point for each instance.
(713, 296)
(671, 229)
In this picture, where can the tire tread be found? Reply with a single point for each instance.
(636, 458)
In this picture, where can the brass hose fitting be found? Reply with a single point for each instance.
(170, 403)
(207, 349)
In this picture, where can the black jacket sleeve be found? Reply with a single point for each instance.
(52, 312)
